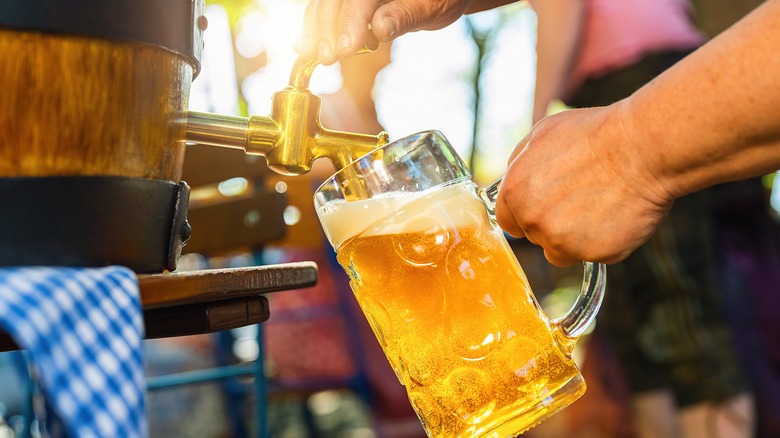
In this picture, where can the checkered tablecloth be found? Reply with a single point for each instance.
(83, 330)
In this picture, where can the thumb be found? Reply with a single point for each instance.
(397, 17)
(387, 21)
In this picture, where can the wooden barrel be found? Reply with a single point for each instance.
(72, 105)
(93, 104)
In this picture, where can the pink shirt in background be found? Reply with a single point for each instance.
(618, 33)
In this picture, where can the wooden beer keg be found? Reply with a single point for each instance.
(85, 106)
(93, 106)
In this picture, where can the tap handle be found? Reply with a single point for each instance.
(304, 66)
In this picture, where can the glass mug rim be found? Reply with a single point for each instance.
(393, 143)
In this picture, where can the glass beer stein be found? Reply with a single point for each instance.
(445, 295)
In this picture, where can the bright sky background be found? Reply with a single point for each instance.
(426, 86)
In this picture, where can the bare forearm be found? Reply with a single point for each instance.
(713, 117)
(484, 5)
(559, 28)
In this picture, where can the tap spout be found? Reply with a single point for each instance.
(342, 148)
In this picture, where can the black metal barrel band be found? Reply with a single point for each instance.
(93, 221)
(174, 25)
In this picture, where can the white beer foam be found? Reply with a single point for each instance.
(454, 206)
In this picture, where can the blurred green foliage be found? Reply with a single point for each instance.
(236, 8)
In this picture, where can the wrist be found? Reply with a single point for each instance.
(636, 150)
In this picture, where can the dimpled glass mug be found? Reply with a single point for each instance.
(445, 295)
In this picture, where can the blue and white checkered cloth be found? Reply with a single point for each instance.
(83, 330)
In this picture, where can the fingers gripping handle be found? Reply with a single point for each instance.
(490, 195)
(571, 325)
(304, 66)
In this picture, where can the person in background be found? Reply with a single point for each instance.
(663, 313)
(711, 118)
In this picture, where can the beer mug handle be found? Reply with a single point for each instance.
(570, 326)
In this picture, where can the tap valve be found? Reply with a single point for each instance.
(292, 136)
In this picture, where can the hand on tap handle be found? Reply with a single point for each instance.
(335, 29)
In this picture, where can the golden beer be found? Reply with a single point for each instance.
(453, 311)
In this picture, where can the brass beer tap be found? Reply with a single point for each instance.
(292, 137)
